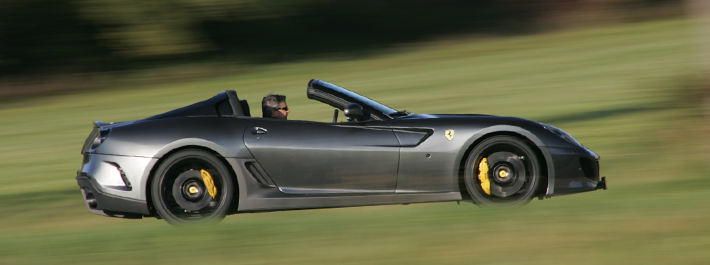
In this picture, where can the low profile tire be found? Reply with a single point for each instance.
(513, 172)
(181, 194)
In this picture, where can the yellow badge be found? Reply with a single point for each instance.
(449, 134)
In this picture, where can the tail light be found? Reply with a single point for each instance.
(96, 138)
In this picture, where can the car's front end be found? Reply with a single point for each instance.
(576, 168)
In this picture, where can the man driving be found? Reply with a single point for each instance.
(274, 106)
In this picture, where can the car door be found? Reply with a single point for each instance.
(304, 157)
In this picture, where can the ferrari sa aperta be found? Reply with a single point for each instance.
(212, 158)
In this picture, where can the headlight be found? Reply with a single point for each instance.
(562, 134)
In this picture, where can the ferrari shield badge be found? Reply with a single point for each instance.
(449, 134)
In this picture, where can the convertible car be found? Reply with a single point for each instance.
(212, 158)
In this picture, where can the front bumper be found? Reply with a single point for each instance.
(575, 170)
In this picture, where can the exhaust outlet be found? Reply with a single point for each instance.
(90, 200)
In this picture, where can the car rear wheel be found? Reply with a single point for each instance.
(192, 186)
(502, 170)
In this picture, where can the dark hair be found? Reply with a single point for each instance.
(270, 102)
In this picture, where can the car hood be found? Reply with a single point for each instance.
(444, 116)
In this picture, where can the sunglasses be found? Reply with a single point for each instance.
(284, 108)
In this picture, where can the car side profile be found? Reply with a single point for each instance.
(212, 158)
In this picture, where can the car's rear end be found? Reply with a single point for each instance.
(118, 157)
(104, 178)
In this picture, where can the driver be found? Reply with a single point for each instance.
(274, 106)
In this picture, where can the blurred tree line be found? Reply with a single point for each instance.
(59, 36)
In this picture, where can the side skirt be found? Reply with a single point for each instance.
(310, 202)
(255, 194)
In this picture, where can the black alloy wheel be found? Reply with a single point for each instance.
(502, 170)
(181, 187)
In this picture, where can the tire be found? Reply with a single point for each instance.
(180, 194)
(513, 172)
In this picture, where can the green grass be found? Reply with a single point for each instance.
(615, 88)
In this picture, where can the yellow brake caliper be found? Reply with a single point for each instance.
(209, 183)
(483, 176)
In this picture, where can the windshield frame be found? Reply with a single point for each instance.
(339, 97)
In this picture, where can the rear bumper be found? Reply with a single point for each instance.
(105, 204)
(113, 186)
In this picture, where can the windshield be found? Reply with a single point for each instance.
(339, 97)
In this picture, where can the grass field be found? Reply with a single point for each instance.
(620, 90)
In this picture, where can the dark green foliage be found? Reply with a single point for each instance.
(46, 34)
(340, 26)
(79, 35)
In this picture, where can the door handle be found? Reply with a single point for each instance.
(258, 130)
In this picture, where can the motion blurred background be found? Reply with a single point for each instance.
(627, 78)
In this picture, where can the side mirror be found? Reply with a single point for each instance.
(354, 112)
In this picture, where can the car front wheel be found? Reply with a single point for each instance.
(502, 170)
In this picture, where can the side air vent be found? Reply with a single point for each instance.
(258, 173)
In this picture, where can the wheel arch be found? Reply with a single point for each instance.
(167, 154)
(528, 138)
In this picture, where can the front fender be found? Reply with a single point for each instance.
(484, 133)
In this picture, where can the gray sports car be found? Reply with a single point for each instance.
(212, 158)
